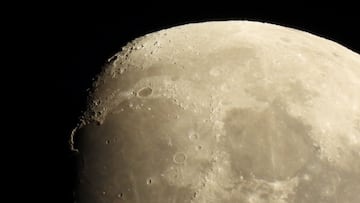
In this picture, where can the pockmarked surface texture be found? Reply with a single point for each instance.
(223, 112)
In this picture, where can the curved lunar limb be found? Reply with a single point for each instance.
(223, 112)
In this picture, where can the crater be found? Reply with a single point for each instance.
(269, 144)
(144, 92)
(285, 39)
(336, 54)
(120, 196)
(149, 181)
(112, 59)
(179, 158)
(193, 136)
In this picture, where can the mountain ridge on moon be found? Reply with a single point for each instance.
(233, 111)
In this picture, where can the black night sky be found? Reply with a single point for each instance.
(79, 46)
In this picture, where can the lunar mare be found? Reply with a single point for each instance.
(223, 112)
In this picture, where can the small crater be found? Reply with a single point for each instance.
(335, 54)
(99, 122)
(112, 59)
(120, 196)
(316, 148)
(179, 158)
(149, 181)
(144, 92)
(193, 136)
(107, 142)
(96, 102)
(199, 147)
(284, 39)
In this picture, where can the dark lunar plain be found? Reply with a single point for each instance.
(79, 47)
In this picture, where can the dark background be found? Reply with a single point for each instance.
(77, 47)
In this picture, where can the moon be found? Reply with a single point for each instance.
(223, 112)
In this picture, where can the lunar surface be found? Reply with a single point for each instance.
(223, 112)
